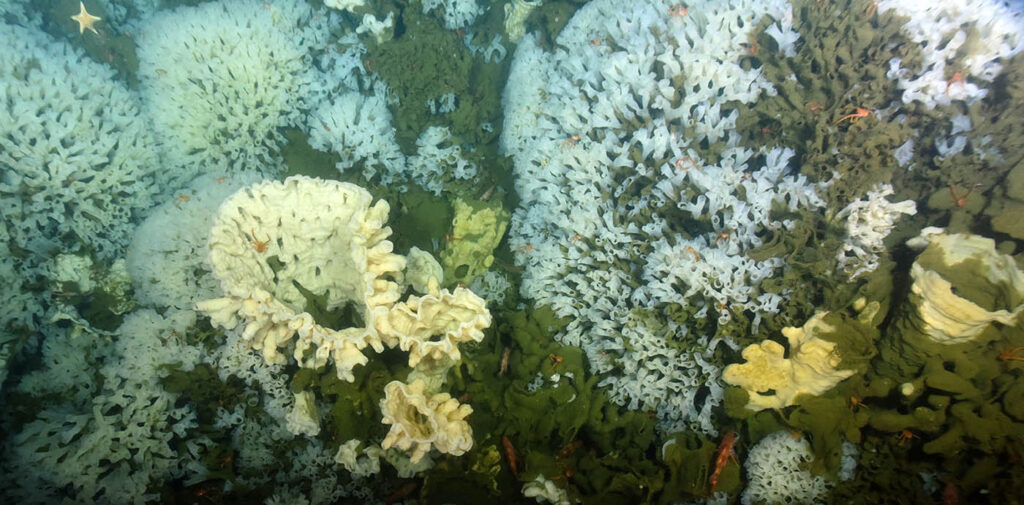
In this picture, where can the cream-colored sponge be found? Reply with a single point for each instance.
(276, 244)
(961, 286)
(279, 249)
(431, 327)
(420, 420)
(812, 368)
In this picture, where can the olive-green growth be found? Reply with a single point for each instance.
(426, 61)
(829, 94)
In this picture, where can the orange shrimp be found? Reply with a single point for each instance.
(725, 449)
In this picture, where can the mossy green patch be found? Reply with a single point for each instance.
(954, 401)
(690, 459)
(554, 415)
(1009, 219)
(301, 159)
(884, 475)
(426, 61)
(204, 389)
(471, 478)
(839, 66)
(549, 18)
(354, 406)
(420, 219)
(997, 126)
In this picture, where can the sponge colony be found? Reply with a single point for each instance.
(76, 160)
(323, 236)
(220, 78)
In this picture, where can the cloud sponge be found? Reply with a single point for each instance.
(220, 78)
(76, 159)
(774, 467)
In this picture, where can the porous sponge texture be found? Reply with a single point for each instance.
(220, 78)
(272, 238)
(776, 475)
(77, 161)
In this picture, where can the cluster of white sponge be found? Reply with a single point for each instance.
(777, 473)
(951, 49)
(219, 79)
(868, 221)
(620, 212)
(77, 161)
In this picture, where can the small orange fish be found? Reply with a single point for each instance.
(504, 361)
(724, 451)
(402, 492)
(569, 449)
(950, 496)
(510, 454)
